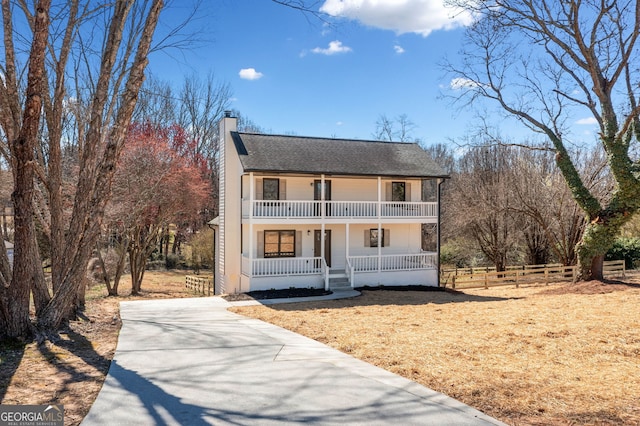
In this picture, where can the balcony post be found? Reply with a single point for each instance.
(379, 225)
(323, 204)
(379, 208)
(250, 248)
(380, 239)
(438, 211)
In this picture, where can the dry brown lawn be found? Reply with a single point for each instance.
(559, 355)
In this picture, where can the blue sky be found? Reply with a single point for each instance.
(290, 73)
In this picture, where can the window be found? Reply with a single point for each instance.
(279, 243)
(270, 189)
(429, 190)
(373, 237)
(398, 191)
(429, 237)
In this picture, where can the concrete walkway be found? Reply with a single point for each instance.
(191, 362)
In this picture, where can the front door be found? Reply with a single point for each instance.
(327, 245)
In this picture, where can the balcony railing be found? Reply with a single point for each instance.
(286, 209)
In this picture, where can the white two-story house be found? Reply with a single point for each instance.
(317, 212)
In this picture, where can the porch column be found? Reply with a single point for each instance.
(440, 182)
(347, 239)
(380, 239)
(251, 192)
(322, 208)
(322, 198)
(379, 225)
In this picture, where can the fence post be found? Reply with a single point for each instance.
(546, 276)
(453, 282)
(486, 280)
(517, 274)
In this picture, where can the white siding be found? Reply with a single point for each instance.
(405, 238)
(373, 279)
(354, 189)
(230, 260)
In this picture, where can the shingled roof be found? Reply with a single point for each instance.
(296, 154)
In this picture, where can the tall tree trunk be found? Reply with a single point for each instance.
(5, 279)
(137, 264)
(144, 241)
(122, 257)
(598, 237)
(22, 149)
(39, 289)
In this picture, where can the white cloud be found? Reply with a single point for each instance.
(335, 46)
(459, 83)
(588, 121)
(339, 123)
(399, 50)
(407, 16)
(250, 74)
(326, 29)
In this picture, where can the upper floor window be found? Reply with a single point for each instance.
(398, 191)
(270, 189)
(429, 190)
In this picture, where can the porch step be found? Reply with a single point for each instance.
(338, 281)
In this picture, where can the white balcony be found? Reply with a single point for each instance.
(288, 209)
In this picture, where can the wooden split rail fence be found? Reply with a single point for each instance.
(521, 275)
(201, 285)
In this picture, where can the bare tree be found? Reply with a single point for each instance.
(113, 70)
(202, 104)
(395, 130)
(21, 127)
(545, 61)
(483, 203)
(157, 102)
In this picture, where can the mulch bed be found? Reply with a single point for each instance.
(277, 294)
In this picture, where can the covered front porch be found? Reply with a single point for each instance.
(391, 269)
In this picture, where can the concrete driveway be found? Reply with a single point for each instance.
(191, 362)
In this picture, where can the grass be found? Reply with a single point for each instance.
(558, 355)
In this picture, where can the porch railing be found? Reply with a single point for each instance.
(350, 272)
(336, 209)
(393, 262)
(283, 266)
